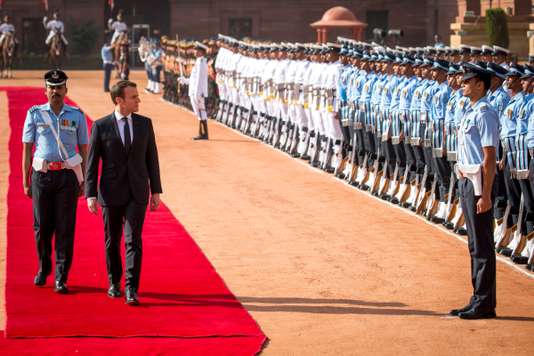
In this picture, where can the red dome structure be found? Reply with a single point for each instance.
(338, 17)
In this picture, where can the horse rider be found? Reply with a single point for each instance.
(119, 26)
(6, 28)
(55, 26)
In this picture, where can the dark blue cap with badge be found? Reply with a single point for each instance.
(472, 70)
(515, 70)
(55, 77)
(529, 72)
(497, 70)
(441, 64)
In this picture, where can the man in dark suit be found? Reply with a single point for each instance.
(125, 143)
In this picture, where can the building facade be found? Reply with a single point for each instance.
(286, 20)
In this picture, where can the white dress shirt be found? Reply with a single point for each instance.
(120, 124)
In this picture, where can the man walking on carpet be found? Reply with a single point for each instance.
(54, 177)
(125, 143)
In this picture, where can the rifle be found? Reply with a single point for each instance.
(404, 191)
(362, 174)
(518, 242)
(393, 184)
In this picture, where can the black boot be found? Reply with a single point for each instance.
(202, 130)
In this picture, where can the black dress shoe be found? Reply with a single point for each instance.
(114, 291)
(520, 260)
(456, 312)
(61, 288)
(475, 314)
(131, 297)
(506, 251)
(40, 279)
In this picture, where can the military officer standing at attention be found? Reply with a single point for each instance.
(478, 138)
(56, 180)
(198, 90)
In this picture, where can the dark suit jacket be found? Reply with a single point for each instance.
(125, 175)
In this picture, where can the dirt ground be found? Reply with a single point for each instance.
(322, 267)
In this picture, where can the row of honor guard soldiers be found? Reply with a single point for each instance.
(178, 62)
(387, 121)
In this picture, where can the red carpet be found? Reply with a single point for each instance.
(182, 296)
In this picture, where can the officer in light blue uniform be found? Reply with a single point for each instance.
(498, 98)
(401, 132)
(437, 117)
(54, 185)
(391, 81)
(366, 110)
(478, 138)
(522, 160)
(415, 113)
(508, 126)
(342, 96)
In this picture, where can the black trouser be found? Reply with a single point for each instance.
(359, 145)
(499, 190)
(513, 193)
(54, 198)
(389, 156)
(527, 222)
(481, 249)
(443, 173)
(400, 154)
(410, 160)
(132, 216)
(108, 68)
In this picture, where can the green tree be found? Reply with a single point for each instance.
(497, 27)
(83, 37)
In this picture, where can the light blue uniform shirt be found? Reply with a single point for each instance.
(439, 101)
(508, 119)
(426, 99)
(479, 128)
(406, 93)
(498, 99)
(70, 124)
(524, 114)
(390, 82)
(530, 131)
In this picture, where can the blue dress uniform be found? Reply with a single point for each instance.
(367, 98)
(508, 126)
(405, 117)
(499, 99)
(479, 128)
(54, 192)
(391, 81)
(439, 109)
(522, 163)
(415, 136)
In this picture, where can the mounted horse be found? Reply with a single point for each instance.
(7, 54)
(56, 50)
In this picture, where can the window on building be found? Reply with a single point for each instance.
(376, 19)
(240, 27)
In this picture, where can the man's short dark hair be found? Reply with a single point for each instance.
(117, 90)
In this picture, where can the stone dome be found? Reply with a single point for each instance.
(338, 16)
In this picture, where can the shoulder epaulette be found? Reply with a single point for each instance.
(75, 108)
(483, 107)
(34, 109)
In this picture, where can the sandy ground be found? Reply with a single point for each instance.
(322, 267)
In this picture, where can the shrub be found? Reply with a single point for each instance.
(497, 27)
